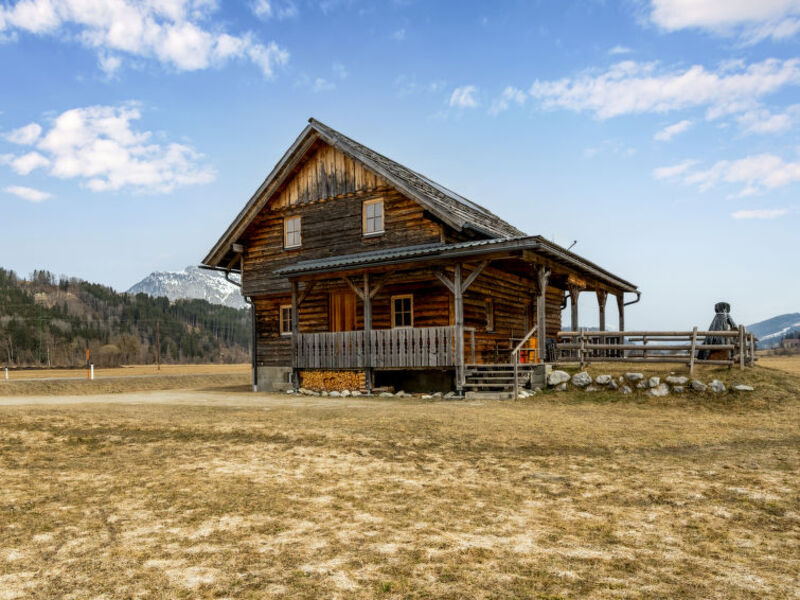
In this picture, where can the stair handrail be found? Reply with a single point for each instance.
(515, 358)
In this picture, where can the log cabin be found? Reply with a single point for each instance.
(354, 262)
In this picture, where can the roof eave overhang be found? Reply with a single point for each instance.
(536, 245)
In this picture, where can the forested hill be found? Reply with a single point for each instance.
(45, 320)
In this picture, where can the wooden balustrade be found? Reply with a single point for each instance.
(407, 347)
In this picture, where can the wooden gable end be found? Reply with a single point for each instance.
(327, 190)
(326, 174)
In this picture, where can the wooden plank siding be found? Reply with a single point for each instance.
(328, 192)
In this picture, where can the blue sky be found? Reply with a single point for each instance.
(662, 135)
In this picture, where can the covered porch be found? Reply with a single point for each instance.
(440, 306)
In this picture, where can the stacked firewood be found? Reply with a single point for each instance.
(330, 381)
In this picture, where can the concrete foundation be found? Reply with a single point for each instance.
(274, 379)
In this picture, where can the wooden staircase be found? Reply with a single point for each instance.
(495, 381)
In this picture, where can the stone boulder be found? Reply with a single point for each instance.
(699, 386)
(603, 379)
(654, 382)
(557, 378)
(386, 395)
(581, 379)
(677, 380)
(717, 386)
(626, 390)
(561, 387)
(634, 377)
(744, 388)
(659, 390)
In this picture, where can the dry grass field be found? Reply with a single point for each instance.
(60, 382)
(790, 364)
(129, 371)
(237, 495)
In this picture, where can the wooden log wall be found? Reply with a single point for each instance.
(328, 192)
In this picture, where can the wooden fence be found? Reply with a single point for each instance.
(380, 348)
(739, 347)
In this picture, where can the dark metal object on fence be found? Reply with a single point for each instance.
(722, 322)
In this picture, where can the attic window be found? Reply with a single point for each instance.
(372, 217)
(291, 232)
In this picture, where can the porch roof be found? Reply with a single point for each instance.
(439, 251)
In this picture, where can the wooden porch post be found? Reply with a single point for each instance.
(574, 294)
(542, 279)
(295, 331)
(602, 296)
(367, 334)
(458, 299)
(621, 309)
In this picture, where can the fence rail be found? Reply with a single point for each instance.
(380, 348)
(687, 347)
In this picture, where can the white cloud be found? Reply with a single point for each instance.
(109, 63)
(340, 70)
(755, 174)
(266, 10)
(173, 33)
(619, 50)
(29, 194)
(24, 164)
(399, 35)
(630, 88)
(464, 97)
(763, 213)
(24, 135)
(763, 121)
(510, 95)
(99, 146)
(322, 85)
(670, 131)
(753, 20)
(673, 170)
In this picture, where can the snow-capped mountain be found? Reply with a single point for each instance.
(770, 332)
(191, 283)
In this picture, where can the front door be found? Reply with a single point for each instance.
(342, 311)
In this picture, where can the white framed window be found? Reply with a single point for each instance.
(372, 217)
(403, 311)
(291, 232)
(286, 319)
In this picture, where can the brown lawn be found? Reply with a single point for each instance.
(252, 496)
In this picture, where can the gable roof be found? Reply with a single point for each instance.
(451, 208)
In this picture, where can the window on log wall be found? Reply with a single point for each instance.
(286, 319)
(372, 216)
(291, 232)
(403, 311)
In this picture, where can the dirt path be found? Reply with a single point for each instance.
(223, 397)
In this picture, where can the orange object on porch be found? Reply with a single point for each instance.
(531, 353)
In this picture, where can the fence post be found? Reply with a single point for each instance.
(693, 350)
(91, 372)
(752, 350)
(581, 349)
(6, 373)
(741, 347)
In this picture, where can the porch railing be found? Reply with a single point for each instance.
(689, 347)
(379, 348)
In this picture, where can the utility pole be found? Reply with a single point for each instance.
(158, 344)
